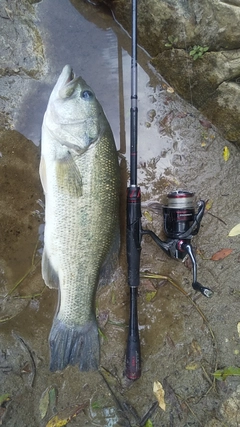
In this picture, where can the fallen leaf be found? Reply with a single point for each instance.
(196, 347)
(53, 397)
(9, 13)
(96, 405)
(44, 403)
(192, 366)
(234, 231)
(223, 253)
(167, 120)
(57, 422)
(226, 153)
(159, 393)
(27, 368)
(150, 295)
(181, 115)
(4, 398)
(148, 216)
(238, 328)
(222, 374)
(170, 89)
(205, 123)
(169, 340)
(209, 204)
(148, 424)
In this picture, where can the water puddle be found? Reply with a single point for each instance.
(92, 45)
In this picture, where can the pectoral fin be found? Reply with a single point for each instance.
(49, 275)
(68, 176)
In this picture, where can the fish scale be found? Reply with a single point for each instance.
(85, 245)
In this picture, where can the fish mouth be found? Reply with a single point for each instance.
(68, 75)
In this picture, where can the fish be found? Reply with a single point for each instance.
(79, 172)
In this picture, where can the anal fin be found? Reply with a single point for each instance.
(49, 275)
(111, 261)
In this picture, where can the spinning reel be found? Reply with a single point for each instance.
(181, 223)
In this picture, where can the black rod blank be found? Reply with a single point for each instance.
(133, 358)
(134, 99)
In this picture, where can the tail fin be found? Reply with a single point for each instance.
(72, 345)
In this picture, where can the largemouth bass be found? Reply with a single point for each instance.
(79, 172)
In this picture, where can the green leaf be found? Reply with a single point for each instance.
(113, 298)
(198, 51)
(4, 398)
(148, 216)
(222, 374)
(148, 424)
(96, 405)
(150, 295)
(102, 335)
(53, 395)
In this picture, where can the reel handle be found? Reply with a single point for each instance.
(186, 247)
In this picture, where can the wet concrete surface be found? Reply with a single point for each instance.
(177, 149)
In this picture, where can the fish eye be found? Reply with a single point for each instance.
(86, 94)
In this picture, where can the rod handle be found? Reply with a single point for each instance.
(133, 234)
(133, 362)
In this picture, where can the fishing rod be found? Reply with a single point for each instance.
(181, 223)
(133, 356)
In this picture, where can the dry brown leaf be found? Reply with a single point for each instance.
(167, 120)
(196, 347)
(205, 123)
(159, 393)
(223, 253)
